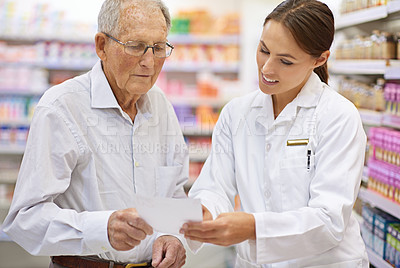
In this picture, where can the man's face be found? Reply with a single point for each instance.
(135, 75)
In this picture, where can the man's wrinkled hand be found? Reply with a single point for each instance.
(168, 252)
(126, 229)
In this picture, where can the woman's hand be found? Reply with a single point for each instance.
(206, 214)
(227, 229)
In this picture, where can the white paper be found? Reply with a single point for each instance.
(167, 215)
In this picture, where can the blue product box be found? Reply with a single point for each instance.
(391, 243)
(397, 254)
(381, 224)
(368, 214)
(367, 234)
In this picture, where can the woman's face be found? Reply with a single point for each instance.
(283, 67)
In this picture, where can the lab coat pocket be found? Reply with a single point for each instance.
(166, 180)
(295, 176)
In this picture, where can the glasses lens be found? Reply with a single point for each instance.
(160, 50)
(135, 48)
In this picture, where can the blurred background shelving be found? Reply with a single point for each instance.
(365, 68)
(44, 42)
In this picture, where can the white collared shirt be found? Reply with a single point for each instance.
(84, 159)
(302, 201)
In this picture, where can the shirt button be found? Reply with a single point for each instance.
(136, 164)
(268, 147)
(104, 248)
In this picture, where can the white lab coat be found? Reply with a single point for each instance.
(302, 204)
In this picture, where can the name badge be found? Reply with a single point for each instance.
(298, 142)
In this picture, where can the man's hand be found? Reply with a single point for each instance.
(126, 229)
(227, 229)
(168, 252)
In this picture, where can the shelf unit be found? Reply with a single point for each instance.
(367, 15)
(389, 69)
(12, 149)
(380, 202)
(386, 205)
(197, 67)
(362, 21)
(203, 39)
(376, 260)
(371, 118)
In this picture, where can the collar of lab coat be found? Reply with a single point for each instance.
(102, 95)
(308, 97)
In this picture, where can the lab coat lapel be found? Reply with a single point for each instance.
(262, 111)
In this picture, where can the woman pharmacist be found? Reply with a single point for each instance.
(293, 152)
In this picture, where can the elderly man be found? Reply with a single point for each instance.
(94, 142)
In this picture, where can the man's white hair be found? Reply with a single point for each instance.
(108, 19)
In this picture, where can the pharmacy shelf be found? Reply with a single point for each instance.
(15, 122)
(365, 174)
(12, 149)
(389, 68)
(391, 121)
(379, 202)
(5, 204)
(392, 71)
(34, 38)
(8, 180)
(194, 101)
(393, 7)
(24, 91)
(59, 66)
(376, 260)
(203, 39)
(371, 118)
(367, 15)
(373, 67)
(198, 67)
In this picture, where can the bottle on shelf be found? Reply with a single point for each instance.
(388, 46)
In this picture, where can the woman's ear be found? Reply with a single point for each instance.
(321, 60)
(100, 41)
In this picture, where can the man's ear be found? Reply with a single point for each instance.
(100, 41)
(322, 59)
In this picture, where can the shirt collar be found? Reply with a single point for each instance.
(308, 97)
(102, 95)
(311, 92)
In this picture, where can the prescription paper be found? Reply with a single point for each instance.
(167, 215)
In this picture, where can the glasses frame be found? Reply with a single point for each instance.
(145, 50)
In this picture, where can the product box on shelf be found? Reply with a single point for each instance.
(384, 164)
(391, 243)
(367, 228)
(397, 254)
(381, 224)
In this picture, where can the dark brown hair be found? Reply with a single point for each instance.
(312, 25)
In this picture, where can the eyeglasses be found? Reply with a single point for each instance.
(134, 48)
